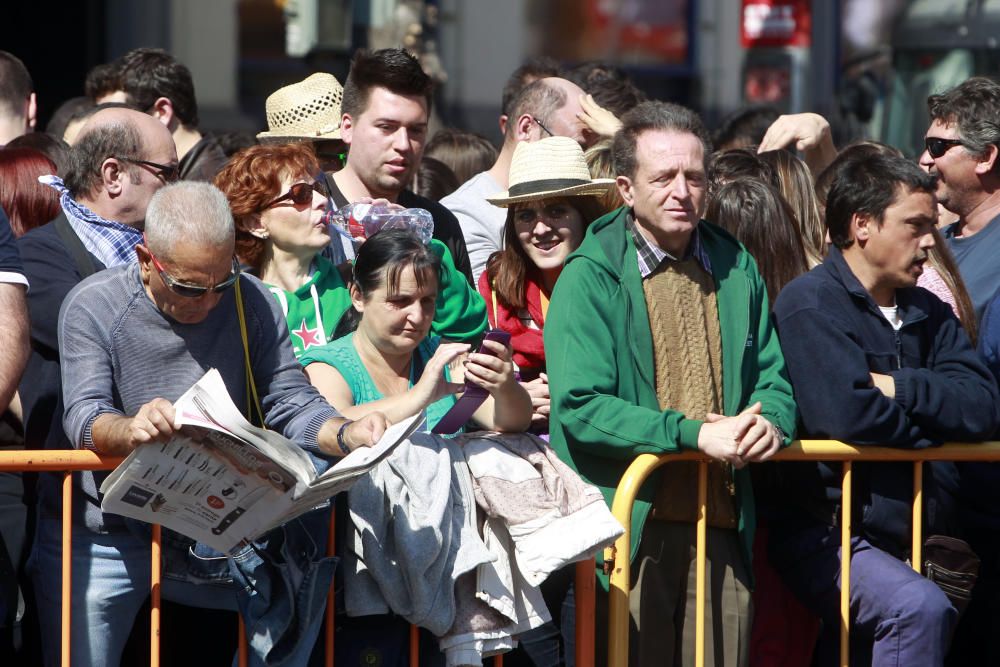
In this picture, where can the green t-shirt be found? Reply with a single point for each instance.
(313, 310)
(341, 355)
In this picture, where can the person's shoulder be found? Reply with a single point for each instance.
(106, 290)
(45, 236)
(474, 191)
(811, 290)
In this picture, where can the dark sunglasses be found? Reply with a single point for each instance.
(170, 173)
(936, 146)
(300, 194)
(188, 290)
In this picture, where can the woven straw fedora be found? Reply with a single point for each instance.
(309, 109)
(550, 167)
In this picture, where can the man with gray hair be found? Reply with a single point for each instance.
(659, 340)
(133, 339)
(543, 108)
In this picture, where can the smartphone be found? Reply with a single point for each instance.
(474, 395)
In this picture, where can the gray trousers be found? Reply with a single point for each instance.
(662, 598)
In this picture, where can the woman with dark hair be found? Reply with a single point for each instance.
(279, 209)
(551, 201)
(391, 363)
(760, 219)
(28, 203)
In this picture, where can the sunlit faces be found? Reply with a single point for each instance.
(386, 140)
(549, 230)
(667, 192)
(896, 250)
(143, 182)
(958, 183)
(296, 228)
(190, 263)
(396, 320)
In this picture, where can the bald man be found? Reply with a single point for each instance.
(121, 159)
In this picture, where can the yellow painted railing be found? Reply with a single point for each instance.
(804, 450)
(69, 461)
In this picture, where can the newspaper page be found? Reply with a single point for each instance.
(222, 481)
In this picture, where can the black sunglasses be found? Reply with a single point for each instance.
(170, 173)
(300, 194)
(187, 290)
(937, 146)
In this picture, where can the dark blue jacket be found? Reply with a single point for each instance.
(833, 336)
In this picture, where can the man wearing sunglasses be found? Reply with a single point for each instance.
(961, 150)
(122, 157)
(133, 339)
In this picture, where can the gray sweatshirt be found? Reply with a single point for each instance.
(119, 352)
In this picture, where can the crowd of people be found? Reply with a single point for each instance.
(664, 289)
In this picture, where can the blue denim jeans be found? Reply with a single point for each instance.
(897, 616)
(279, 585)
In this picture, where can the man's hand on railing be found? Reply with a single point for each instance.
(747, 437)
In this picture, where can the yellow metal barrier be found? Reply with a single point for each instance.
(68, 461)
(805, 450)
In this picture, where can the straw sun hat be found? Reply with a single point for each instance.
(550, 167)
(309, 109)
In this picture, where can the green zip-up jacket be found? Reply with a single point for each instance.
(602, 377)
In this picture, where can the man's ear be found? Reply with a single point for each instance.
(988, 160)
(523, 128)
(145, 261)
(502, 122)
(624, 184)
(31, 115)
(113, 175)
(163, 111)
(346, 128)
(861, 227)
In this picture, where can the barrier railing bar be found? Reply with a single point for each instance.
(414, 646)
(700, 542)
(331, 541)
(585, 595)
(845, 565)
(154, 598)
(242, 652)
(916, 547)
(67, 566)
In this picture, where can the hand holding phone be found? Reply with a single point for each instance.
(475, 394)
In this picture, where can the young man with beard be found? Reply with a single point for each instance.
(875, 360)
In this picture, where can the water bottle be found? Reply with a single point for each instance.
(360, 221)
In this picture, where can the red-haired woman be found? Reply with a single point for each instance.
(27, 202)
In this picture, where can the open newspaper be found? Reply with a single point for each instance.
(222, 481)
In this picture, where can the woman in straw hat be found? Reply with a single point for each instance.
(551, 200)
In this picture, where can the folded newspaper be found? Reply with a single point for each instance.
(222, 481)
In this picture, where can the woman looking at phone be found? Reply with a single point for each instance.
(551, 200)
(391, 364)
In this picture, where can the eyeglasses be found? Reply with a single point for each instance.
(938, 146)
(170, 173)
(300, 194)
(188, 290)
(539, 124)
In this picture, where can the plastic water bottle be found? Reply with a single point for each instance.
(360, 221)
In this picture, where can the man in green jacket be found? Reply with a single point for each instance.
(659, 340)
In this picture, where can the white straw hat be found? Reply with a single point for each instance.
(550, 167)
(309, 109)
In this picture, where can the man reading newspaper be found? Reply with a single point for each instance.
(133, 339)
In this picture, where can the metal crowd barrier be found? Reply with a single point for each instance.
(69, 461)
(804, 450)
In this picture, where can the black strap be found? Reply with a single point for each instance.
(81, 256)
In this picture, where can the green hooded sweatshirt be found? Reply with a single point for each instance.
(599, 353)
